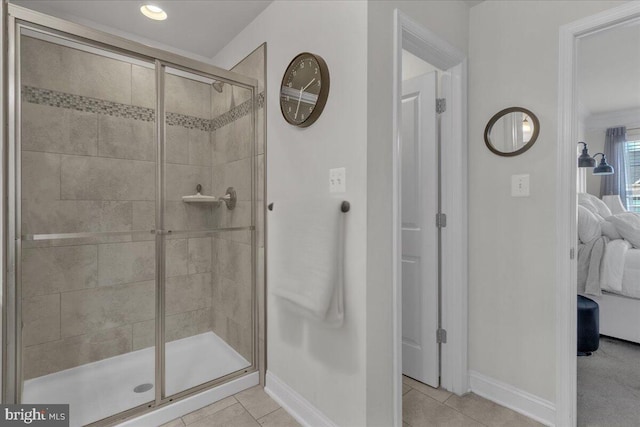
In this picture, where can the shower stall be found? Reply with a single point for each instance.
(130, 278)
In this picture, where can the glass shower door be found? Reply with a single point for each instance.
(86, 186)
(208, 300)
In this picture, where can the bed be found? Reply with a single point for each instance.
(609, 266)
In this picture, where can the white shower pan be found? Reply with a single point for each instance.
(100, 389)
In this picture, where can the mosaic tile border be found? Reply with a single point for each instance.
(54, 98)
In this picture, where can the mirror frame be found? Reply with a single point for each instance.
(498, 116)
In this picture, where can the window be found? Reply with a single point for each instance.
(632, 160)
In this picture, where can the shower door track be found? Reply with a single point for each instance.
(16, 18)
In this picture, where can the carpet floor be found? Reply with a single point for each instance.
(609, 385)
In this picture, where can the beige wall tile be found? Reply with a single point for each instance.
(177, 326)
(40, 319)
(200, 255)
(126, 262)
(144, 215)
(51, 66)
(260, 178)
(59, 130)
(200, 148)
(187, 293)
(240, 216)
(186, 216)
(219, 321)
(144, 334)
(67, 353)
(106, 307)
(186, 96)
(40, 176)
(253, 66)
(143, 86)
(182, 180)
(221, 101)
(234, 260)
(97, 178)
(233, 141)
(240, 338)
(177, 144)
(235, 301)
(235, 174)
(177, 253)
(75, 216)
(261, 139)
(125, 138)
(58, 269)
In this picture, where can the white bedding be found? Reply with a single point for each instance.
(621, 269)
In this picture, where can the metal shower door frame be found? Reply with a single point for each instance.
(16, 18)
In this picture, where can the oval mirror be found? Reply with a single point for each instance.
(511, 131)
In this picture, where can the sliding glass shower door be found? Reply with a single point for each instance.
(87, 157)
(131, 226)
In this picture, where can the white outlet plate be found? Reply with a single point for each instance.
(520, 185)
(338, 180)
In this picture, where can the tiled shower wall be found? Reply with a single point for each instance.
(232, 167)
(88, 165)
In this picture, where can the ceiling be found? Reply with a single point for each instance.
(202, 28)
(607, 66)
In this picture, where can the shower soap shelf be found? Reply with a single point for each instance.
(229, 198)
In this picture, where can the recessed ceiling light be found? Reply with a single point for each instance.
(153, 12)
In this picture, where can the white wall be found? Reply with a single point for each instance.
(513, 61)
(449, 20)
(326, 366)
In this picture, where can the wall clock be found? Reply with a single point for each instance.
(304, 89)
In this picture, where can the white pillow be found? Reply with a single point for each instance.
(594, 204)
(589, 227)
(628, 225)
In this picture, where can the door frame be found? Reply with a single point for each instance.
(439, 53)
(566, 203)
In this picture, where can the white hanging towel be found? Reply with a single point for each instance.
(306, 249)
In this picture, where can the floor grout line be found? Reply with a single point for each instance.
(257, 419)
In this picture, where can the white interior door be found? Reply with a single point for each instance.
(419, 182)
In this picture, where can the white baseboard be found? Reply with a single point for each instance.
(511, 397)
(296, 405)
(182, 407)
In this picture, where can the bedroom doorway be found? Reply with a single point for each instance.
(608, 281)
(598, 104)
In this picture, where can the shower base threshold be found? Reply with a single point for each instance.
(100, 389)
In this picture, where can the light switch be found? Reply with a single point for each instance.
(337, 180)
(520, 185)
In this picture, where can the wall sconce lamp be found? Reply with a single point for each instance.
(603, 168)
(586, 161)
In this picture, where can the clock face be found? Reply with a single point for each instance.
(304, 90)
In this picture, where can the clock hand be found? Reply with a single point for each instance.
(302, 90)
(298, 107)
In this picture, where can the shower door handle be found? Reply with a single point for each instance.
(161, 232)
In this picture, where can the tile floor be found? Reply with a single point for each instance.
(423, 406)
(249, 408)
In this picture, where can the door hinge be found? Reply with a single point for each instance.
(441, 336)
(572, 253)
(441, 105)
(441, 220)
